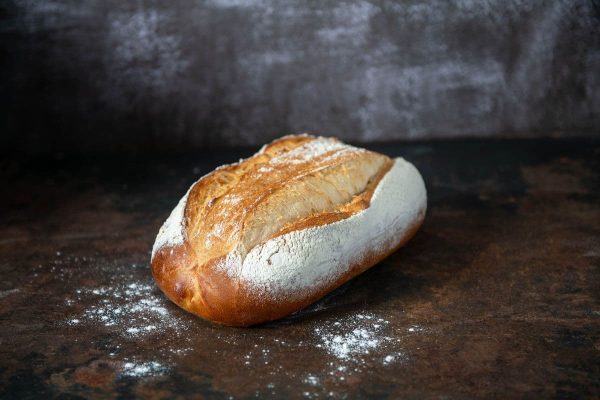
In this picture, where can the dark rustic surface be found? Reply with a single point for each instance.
(497, 296)
(152, 74)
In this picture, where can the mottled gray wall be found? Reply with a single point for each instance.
(116, 74)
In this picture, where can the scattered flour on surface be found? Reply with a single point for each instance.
(394, 358)
(354, 338)
(312, 380)
(5, 293)
(350, 346)
(131, 310)
(138, 370)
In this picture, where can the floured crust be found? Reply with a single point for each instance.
(265, 237)
(289, 182)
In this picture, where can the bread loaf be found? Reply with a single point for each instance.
(257, 240)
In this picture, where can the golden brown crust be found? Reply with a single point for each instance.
(244, 204)
(189, 273)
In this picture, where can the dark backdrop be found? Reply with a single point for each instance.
(80, 75)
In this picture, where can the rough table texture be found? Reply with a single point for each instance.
(497, 296)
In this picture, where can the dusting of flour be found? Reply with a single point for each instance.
(350, 343)
(171, 232)
(355, 340)
(142, 369)
(313, 149)
(306, 260)
(338, 349)
(131, 309)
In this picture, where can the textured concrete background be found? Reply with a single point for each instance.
(148, 75)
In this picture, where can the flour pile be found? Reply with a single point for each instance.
(357, 339)
(131, 309)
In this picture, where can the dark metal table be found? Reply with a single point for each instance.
(497, 296)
